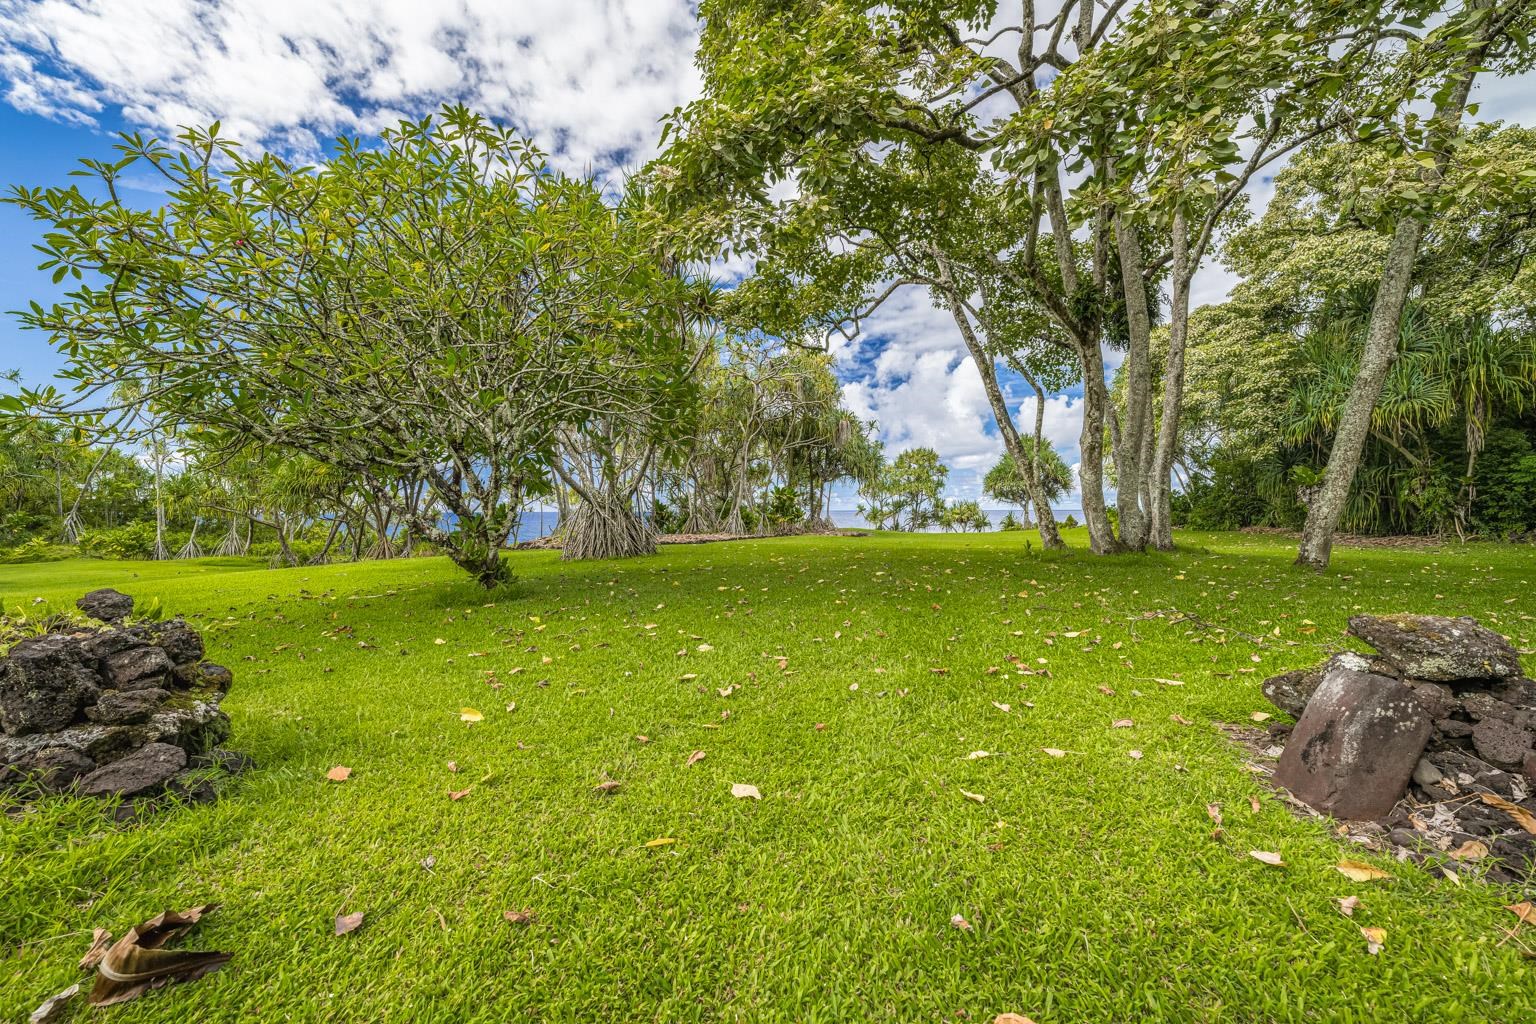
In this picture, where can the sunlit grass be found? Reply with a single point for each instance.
(1092, 882)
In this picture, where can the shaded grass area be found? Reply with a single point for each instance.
(1092, 882)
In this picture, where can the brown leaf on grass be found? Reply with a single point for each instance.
(1375, 938)
(743, 791)
(1004, 708)
(607, 787)
(1180, 720)
(1347, 905)
(974, 797)
(459, 794)
(1525, 911)
(523, 917)
(1134, 755)
(1054, 752)
(1360, 871)
(642, 739)
(347, 923)
(101, 941)
(340, 773)
(137, 963)
(55, 1007)
(821, 726)
(1106, 691)
(1213, 811)
(960, 922)
(453, 766)
(1011, 1018)
(1121, 723)
(1266, 857)
(1261, 716)
(1524, 818)
(1470, 850)
(694, 758)
(1253, 804)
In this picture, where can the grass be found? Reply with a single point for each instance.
(1093, 884)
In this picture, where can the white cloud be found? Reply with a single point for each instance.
(587, 78)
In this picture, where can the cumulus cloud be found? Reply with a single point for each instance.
(587, 78)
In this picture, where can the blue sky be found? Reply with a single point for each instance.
(587, 79)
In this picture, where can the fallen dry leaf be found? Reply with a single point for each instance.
(821, 726)
(459, 794)
(1121, 723)
(137, 963)
(975, 797)
(1470, 850)
(1134, 755)
(470, 716)
(1213, 811)
(606, 787)
(523, 917)
(742, 791)
(977, 755)
(1011, 1018)
(1526, 911)
(1106, 691)
(694, 758)
(1261, 716)
(1524, 818)
(453, 766)
(1264, 856)
(1347, 905)
(663, 841)
(1004, 708)
(1253, 804)
(1180, 720)
(1360, 871)
(101, 941)
(960, 922)
(340, 773)
(1375, 938)
(642, 739)
(54, 1007)
(348, 923)
(1053, 752)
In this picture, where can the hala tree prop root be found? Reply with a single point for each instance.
(607, 531)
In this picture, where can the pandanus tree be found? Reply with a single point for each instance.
(439, 306)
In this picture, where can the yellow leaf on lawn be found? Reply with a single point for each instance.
(1360, 871)
(1261, 716)
(660, 842)
(470, 715)
(977, 797)
(977, 755)
(1053, 752)
(1011, 1018)
(1264, 856)
(742, 791)
(1524, 818)
(1375, 938)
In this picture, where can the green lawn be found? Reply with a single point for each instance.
(1092, 883)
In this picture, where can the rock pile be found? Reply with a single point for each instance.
(1433, 739)
(117, 710)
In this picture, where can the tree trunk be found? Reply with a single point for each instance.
(1381, 340)
(1161, 471)
(1101, 536)
(1134, 430)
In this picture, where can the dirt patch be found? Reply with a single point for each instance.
(1352, 540)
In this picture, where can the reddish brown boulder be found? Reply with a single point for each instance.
(1356, 745)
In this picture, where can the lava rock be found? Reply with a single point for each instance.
(55, 769)
(1528, 767)
(1438, 699)
(1426, 774)
(137, 668)
(195, 727)
(179, 641)
(1356, 745)
(43, 685)
(131, 707)
(106, 605)
(205, 674)
(1453, 727)
(1290, 691)
(1481, 704)
(1437, 648)
(146, 770)
(1502, 743)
